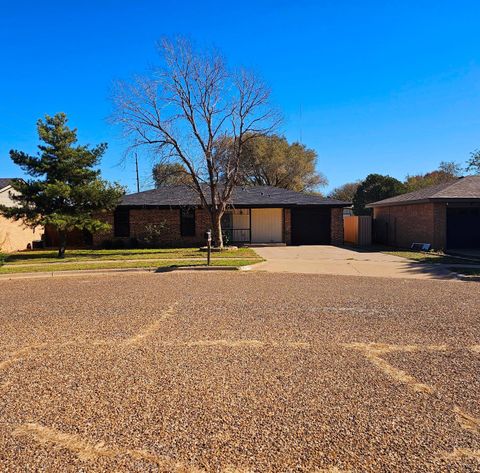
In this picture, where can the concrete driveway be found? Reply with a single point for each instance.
(326, 259)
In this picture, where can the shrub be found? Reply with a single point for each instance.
(153, 233)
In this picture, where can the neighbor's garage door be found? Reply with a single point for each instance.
(310, 226)
(463, 227)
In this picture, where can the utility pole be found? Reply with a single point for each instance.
(301, 116)
(136, 168)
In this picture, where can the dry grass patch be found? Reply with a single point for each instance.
(373, 352)
(86, 451)
(462, 453)
(467, 421)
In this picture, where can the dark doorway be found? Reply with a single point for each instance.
(311, 226)
(463, 227)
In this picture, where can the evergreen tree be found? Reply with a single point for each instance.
(375, 187)
(68, 192)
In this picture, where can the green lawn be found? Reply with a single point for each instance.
(147, 264)
(46, 261)
(50, 256)
(431, 257)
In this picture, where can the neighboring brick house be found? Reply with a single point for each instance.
(258, 214)
(447, 216)
(14, 236)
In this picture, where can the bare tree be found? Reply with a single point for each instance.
(188, 109)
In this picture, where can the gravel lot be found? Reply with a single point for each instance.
(239, 372)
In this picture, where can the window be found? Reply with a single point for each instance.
(121, 223)
(187, 222)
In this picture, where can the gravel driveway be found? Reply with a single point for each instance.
(239, 372)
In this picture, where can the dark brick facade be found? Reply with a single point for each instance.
(336, 226)
(171, 235)
(402, 225)
(169, 219)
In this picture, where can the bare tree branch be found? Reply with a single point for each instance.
(196, 111)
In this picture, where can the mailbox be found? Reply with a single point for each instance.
(208, 237)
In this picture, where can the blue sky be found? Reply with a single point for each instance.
(373, 86)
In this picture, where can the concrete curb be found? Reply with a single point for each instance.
(169, 269)
(79, 272)
(466, 277)
(86, 272)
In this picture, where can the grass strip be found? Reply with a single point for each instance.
(49, 256)
(148, 264)
(432, 257)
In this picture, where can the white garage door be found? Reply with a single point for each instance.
(267, 225)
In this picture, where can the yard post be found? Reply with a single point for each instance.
(208, 235)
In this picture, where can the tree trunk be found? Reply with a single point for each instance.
(63, 244)
(217, 229)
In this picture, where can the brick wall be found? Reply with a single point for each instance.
(139, 218)
(402, 225)
(336, 226)
(171, 234)
(99, 237)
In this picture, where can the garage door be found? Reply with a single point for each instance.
(463, 227)
(267, 225)
(311, 226)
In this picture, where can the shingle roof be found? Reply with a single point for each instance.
(5, 182)
(260, 196)
(462, 188)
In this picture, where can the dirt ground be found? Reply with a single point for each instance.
(239, 372)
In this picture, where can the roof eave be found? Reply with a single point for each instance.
(251, 206)
(431, 200)
(402, 202)
(453, 200)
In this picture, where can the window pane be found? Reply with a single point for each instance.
(187, 222)
(121, 223)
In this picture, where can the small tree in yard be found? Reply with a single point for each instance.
(190, 111)
(71, 192)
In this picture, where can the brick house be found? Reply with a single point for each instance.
(447, 216)
(259, 214)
